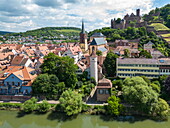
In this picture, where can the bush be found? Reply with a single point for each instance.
(29, 105)
(98, 109)
(43, 107)
(86, 108)
(114, 107)
(7, 106)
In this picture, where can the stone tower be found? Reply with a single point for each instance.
(83, 39)
(138, 12)
(93, 66)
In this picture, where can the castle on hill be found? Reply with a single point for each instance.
(129, 21)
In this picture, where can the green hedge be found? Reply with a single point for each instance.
(7, 106)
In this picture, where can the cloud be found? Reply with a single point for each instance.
(22, 15)
(47, 3)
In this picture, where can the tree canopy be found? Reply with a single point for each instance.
(114, 107)
(144, 99)
(63, 67)
(48, 86)
(110, 64)
(71, 102)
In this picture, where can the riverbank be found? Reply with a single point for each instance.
(11, 119)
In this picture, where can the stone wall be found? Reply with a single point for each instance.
(14, 98)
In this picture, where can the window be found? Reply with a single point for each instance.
(107, 91)
(1, 82)
(101, 91)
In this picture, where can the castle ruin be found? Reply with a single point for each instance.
(129, 21)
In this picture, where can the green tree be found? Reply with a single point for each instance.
(114, 107)
(155, 87)
(43, 107)
(87, 88)
(118, 20)
(71, 102)
(118, 84)
(146, 80)
(48, 85)
(126, 53)
(99, 53)
(160, 109)
(29, 105)
(145, 54)
(137, 92)
(110, 64)
(115, 36)
(132, 23)
(168, 21)
(131, 32)
(63, 67)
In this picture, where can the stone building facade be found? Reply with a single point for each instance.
(127, 21)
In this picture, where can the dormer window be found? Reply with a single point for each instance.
(25, 82)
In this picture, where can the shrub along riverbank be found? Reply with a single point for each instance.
(112, 110)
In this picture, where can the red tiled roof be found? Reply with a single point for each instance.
(17, 60)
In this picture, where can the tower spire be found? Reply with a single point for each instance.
(83, 30)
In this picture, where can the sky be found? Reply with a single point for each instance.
(23, 15)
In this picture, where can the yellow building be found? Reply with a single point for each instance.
(129, 67)
(99, 44)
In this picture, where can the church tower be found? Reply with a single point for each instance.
(93, 66)
(83, 39)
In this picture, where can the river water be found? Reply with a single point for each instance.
(12, 119)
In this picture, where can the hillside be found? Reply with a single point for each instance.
(56, 32)
(159, 15)
(4, 32)
(159, 26)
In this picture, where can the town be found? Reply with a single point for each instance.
(130, 60)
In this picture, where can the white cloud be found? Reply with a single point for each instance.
(41, 13)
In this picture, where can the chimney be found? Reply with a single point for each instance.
(138, 12)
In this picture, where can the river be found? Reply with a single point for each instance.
(11, 119)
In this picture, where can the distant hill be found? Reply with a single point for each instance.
(58, 32)
(4, 32)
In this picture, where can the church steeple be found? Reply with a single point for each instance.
(83, 39)
(82, 29)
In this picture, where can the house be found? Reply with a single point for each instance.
(97, 35)
(21, 61)
(130, 43)
(103, 89)
(120, 50)
(99, 44)
(74, 52)
(148, 46)
(17, 80)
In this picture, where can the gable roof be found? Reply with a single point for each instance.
(98, 41)
(102, 49)
(149, 43)
(21, 72)
(17, 60)
(75, 49)
(97, 35)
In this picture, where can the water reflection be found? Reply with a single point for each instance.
(10, 119)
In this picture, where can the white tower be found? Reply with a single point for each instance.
(93, 66)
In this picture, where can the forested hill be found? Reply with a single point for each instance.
(50, 32)
(4, 32)
(159, 14)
